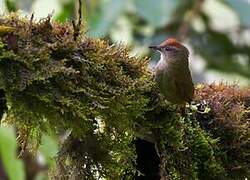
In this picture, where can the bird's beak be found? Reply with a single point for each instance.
(155, 47)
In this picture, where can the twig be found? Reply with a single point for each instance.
(30, 25)
(80, 13)
(77, 26)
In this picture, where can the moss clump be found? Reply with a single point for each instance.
(53, 82)
(187, 151)
(228, 120)
(106, 99)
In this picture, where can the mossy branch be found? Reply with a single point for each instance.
(108, 99)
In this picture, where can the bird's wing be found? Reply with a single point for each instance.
(185, 87)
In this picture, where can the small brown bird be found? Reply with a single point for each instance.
(172, 73)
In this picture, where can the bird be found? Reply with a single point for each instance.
(172, 73)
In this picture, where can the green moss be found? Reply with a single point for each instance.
(55, 83)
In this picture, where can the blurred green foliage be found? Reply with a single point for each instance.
(242, 9)
(11, 5)
(68, 11)
(49, 149)
(157, 14)
(8, 154)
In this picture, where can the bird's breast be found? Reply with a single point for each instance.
(168, 77)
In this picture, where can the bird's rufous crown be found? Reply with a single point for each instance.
(171, 42)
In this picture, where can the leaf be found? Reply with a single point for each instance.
(49, 148)
(157, 13)
(8, 146)
(67, 11)
(11, 5)
(100, 23)
(242, 8)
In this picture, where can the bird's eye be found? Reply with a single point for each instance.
(169, 48)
